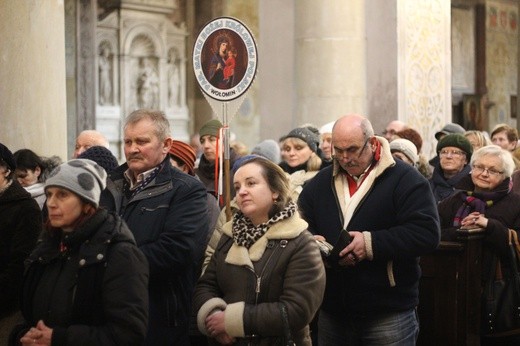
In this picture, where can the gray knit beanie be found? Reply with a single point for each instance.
(305, 135)
(83, 177)
(269, 149)
(406, 147)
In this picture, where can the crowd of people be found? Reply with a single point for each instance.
(318, 244)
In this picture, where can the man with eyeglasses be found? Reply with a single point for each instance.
(389, 212)
(454, 152)
(392, 128)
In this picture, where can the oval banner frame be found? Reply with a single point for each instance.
(225, 59)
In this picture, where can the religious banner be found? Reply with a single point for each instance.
(225, 61)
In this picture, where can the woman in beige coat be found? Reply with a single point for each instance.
(266, 279)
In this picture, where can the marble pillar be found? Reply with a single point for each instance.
(32, 91)
(330, 60)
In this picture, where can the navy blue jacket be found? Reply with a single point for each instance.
(169, 221)
(400, 213)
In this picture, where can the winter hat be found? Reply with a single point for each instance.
(7, 156)
(102, 156)
(269, 149)
(406, 147)
(83, 177)
(448, 129)
(211, 128)
(185, 153)
(241, 160)
(458, 141)
(305, 135)
(327, 128)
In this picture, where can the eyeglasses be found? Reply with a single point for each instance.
(389, 132)
(340, 153)
(478, 169)
(454, 153)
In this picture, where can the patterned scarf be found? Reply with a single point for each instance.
(246, 234)
(478, 201)
(143, 184)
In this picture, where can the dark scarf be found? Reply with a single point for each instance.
(291, 170)
(246, 234)
(479, 201)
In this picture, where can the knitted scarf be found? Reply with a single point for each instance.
(479, 201)
(246, 234)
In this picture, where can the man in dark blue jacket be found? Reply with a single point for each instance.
(166, 210)
(389, 211)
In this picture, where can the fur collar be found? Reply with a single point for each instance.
(289, 228)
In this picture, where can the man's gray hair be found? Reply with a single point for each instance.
(162, 125)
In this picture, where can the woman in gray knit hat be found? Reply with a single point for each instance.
(300, 158)
(86, 280)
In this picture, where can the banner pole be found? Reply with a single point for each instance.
(227, 187)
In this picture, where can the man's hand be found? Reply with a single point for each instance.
(354, 252)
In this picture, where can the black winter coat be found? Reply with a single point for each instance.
(20, 225)
(94, 292)
(169, 221)
(400, 213)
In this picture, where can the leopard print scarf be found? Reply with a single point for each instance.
(246, 234)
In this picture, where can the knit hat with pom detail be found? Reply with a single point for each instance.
(83, 177)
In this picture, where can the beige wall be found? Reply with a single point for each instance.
(32, 71)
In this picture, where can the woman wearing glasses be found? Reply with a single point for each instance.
(485, 200)
(454, 153)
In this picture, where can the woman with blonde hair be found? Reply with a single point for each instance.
(300, 158)
(477, 139)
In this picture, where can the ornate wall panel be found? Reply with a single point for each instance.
(501, 59)
(424, 66)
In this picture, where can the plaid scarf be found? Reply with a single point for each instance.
(246, 234)
(478, 201)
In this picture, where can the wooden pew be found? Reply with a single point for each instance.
(449, 293)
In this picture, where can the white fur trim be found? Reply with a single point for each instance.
(234, 319)
(206, 309)
(367, 237)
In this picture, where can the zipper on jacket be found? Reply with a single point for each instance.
(282, 245)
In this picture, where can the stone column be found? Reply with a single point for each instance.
(330, 60)
(32, 71)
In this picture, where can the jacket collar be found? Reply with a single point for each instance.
(289, 228)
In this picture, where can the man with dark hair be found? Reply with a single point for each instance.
(166, 211)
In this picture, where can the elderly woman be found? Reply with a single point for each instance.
(485, 201)
(454, 152)
(20, 224)
(405, 151)
(266, 278)
(86, 280)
